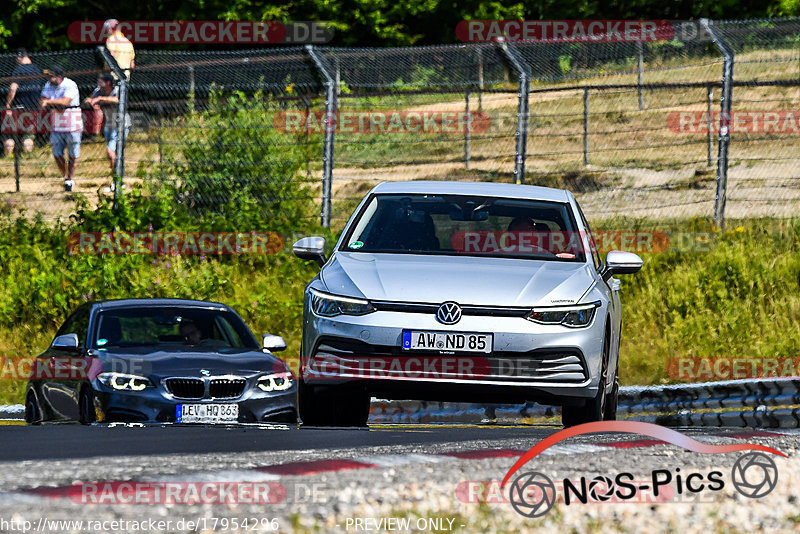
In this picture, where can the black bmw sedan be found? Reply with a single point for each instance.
(160, 361)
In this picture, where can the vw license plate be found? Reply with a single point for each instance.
(207, 413)
(446, 341)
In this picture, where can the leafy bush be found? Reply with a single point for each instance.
(235, 170)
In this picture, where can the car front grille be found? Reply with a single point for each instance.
(186, 388)
(544, 365)
(226, 388)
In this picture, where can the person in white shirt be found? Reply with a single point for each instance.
(60, 96)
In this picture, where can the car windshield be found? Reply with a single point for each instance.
(177, 327)
(466, 225)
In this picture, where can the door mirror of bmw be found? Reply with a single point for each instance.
(274, 343)
(621, 262)
(311, 248)
(67, 342)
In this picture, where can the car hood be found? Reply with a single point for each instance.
(463, 279)
(162, 363)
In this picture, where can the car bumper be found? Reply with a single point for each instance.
(529, 361)
(155, 406)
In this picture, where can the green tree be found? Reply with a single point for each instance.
(42, 24)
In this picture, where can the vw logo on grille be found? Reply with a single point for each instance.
(449, 313)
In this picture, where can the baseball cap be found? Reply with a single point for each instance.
(54, 70)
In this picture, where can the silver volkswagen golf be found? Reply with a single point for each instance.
(453, 291)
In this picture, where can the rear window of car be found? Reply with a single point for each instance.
(466, 225)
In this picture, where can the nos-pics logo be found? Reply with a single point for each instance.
(532, 493)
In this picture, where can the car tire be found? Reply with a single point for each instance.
(312, 410)
(325, 406)
(33, 415)
(612, 399)
(86, 410)
(597, 408)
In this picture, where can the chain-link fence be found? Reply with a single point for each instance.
(633, 128)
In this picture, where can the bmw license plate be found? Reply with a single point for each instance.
(206, 413)
(446, 341)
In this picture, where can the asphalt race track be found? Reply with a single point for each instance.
(77, 441)
(72, 478)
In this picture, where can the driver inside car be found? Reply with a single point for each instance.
(190, 333)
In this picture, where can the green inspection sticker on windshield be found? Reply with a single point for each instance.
(356, 244)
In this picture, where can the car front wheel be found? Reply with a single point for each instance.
(32, 414)
(603, 407)
(86, 406)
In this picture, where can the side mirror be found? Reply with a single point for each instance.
(274, 343)
(311, 248)
(621, 262)
(67, 341)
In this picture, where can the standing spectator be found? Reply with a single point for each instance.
(60, 95)
(106, 97)
(119, 46)
(23, 95)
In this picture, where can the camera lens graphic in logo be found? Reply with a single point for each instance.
(532, 494)
(754, 475)
(601, 489)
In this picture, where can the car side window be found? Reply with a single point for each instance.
(592, 243)
(77, 323)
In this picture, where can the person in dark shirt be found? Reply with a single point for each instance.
(23, 95)
(106, 98)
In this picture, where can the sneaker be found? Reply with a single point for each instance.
(68, 185)
(112, 188)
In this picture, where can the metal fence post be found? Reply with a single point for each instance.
(330, 125)
(337, 77)
(586, 126)
(522, 110)
(710, 125)
(640, 71)
(467, 130)
(17, 152)
(190, 68)
(479, 52)
(724, 120)
(160, 110)
(122, 111)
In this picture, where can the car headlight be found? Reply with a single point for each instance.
(123, 382)
(327, 305)
(572, 316)
(276, 382)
